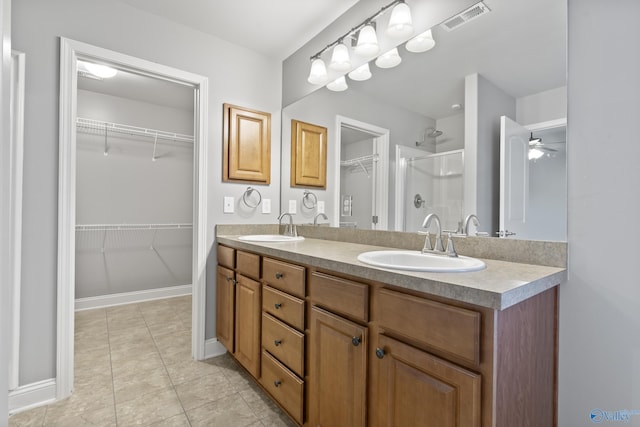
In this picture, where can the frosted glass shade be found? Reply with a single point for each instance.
(318, 73)
(340, 58)
(389, 59)
(367, 42)
(400, 23)
(361, 73)
(535, 154)
(338, 85)
(421, 43)
(100, 70)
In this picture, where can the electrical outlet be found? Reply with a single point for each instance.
(320, 206)
(293, 207)
(228, 204)
(266, 206)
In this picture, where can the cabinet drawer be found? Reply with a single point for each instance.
(340, 295)
(284, 276)
(284, 342)
(285, 307)
(248, 264)
(226, 256)
(283, 385)
(452, 330)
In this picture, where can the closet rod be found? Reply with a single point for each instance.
(102, 126)
(126, 227)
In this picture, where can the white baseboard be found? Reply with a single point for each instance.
(32, 395)
(213, 348)
(131, 297)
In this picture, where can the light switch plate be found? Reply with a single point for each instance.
(293, 207)
(320, 206)
(228, 204)
(266, 206)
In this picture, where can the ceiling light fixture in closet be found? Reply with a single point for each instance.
(98, 70)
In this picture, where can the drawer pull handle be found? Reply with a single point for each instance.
(380, 353)
(356, 341)
(279, 275)
(231, 279)
(277, 383)
(278, 305)
(277, 342)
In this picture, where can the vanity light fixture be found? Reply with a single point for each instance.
(340, 60)
(318, 73)
(367, 45)
(400, 23)
(99, 70)
(421, 43)
(338, 85)
(389, 59)
(361, 73)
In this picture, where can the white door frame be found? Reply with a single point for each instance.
(381, 148)
(70, 52)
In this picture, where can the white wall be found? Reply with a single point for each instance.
(599, 303)
(236, 75)
(5, 219)
(542, 107)
(452, 137)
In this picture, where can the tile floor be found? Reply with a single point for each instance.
(134, 367)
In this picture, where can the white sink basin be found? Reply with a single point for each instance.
(270, 238)
(417, 261)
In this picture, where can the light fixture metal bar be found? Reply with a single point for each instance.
(356, 28)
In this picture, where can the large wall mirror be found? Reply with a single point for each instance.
(429, 134)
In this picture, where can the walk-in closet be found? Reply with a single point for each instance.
(134, 192)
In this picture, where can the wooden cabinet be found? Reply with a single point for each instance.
(246, 145)
(247, 345)
(338, 371)
(416, 388)
(308, 155)
(225, 306)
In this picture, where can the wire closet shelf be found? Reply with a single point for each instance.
(364, 163)
(100, 127)
(132, 227)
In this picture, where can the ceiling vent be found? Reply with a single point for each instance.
(465, 16)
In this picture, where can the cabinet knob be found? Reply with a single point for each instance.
(277, 383)
(380, 353)
(279, 275)
(278, 305)
(356, 341)
(277, 342)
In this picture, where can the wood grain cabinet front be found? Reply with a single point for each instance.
(283, 385)
(247, 324)
(225, 307)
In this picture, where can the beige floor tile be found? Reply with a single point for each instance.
(31, 418)
(278, 419)
(119, 310)
(136, 384)
(149, 408)
(126, 320)
(175, 421)
(89, 408)
(88, 319)
(144, 363)
(186, 370)
(124, 337)
(133, 350)
(230, 411)
(168, 327)
(90, 342)
(203, 390)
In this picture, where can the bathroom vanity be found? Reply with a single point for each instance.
(339, 343)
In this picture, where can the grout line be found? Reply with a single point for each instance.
(113, 385)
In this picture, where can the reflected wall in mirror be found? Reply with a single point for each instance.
(451, 98)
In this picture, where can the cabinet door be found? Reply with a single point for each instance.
(225, 306)
(416, 388)
(247, 345)
(338, 365)
(308, 155)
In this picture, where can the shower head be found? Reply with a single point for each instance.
(429, 132)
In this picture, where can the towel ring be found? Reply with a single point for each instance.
(309, 200)
(247, 193)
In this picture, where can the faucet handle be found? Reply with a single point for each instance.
(427, 241)
(451, 250)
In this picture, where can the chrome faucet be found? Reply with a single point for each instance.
(467, 220)
(427, 243)
(290, 229)
(321, 214)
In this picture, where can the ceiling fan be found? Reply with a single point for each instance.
(537, 143)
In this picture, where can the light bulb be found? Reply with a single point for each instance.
(367, 42)
(318, 73)
(340, 58)
(361, 73)
(389, 59)
(421, 43)
(400, 23)
(338, 85)
(535, 154)
(100, 70)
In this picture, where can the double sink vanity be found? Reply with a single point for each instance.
(336, 341)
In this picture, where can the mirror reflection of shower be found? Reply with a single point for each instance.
(429, 183)
(429, 136)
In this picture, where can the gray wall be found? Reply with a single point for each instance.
(236, 75)
(452, 137)
(542, 107)
(358, 184)
(599, 303)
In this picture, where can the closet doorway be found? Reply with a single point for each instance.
(132, 206)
